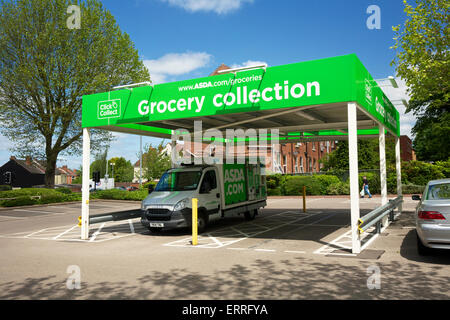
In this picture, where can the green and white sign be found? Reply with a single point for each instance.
(325, 81)
(235, 186)
(109, 109)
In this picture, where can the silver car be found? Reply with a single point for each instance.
(433, 216)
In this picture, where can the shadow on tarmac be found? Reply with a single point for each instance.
(298, 278)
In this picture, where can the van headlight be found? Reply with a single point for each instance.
(181, 204)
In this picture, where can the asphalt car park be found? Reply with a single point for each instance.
(283, 254)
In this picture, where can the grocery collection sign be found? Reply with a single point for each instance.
(339, 79)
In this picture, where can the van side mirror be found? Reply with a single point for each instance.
(150, 188)
(415, 197)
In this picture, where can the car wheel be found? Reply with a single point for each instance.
(155, 229)
(421, 248)
(250, 215)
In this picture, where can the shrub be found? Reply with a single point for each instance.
(419, 173)
(22, 197)
(294, 185)
(274, 192)
(325, 181)
(271, 184)
(19, 201)
(116, 194)
(5, 187)
(64, 190)
(145, 185)
(338, 188)
(412, 188)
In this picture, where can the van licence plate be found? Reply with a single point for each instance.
(157, 224)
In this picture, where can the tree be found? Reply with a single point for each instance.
(155, 162)
(422, 60)
(45, 69)
(368, 155)
(100, 162)
(123, 170)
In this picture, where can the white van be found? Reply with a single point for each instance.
(222, 190)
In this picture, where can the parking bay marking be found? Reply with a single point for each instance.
(185, 242)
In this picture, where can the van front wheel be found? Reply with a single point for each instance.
(202, 221)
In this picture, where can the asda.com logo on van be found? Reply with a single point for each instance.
(108, 109)
(234, 183)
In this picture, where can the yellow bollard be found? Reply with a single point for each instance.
(304, 198)
(194, 221)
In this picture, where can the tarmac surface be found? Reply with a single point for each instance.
(282, 254)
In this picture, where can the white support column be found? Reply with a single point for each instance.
(398, 169)
(85, 186)
(354, 183)
(383, 178)
(382, 149)
(140, 161)
(173, 154)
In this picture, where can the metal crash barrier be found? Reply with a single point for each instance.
(375, 216)
(115, 216)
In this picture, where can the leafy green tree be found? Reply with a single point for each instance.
(45, 69)
(422, 60)
(368, 155)
(99, 164)
(155, 162)
(122, 171)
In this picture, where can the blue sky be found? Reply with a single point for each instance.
(182, 39)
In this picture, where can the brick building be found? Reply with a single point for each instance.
(406, 149)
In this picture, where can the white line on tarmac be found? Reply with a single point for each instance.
(215, 240)
(36, 211)
(237, 248)
(245, 234)
(97, 232)
(333, 242)
(290, 251)
(131, 225)
(63, 233)
(33, 233)
(265, 250)
(12, 217)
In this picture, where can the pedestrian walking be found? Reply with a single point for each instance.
(365, 188)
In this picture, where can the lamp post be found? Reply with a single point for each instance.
(112, 170)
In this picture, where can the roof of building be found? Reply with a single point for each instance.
(219, 68)
(35, 166)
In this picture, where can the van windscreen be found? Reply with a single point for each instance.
(179, 181)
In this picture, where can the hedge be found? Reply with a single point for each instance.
(294, 185)
(116, 194)
(415, 175)
(412, 188)
(22, 197)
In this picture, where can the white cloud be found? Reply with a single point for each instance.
(217, 6)
(248, 63)
(407, 120)
(175, 64)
